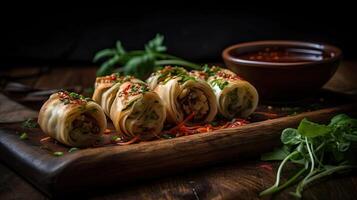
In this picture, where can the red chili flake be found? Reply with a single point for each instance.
(113, 77)
(228, 76)
(125, 91)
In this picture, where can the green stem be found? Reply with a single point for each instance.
(288, 182)
(319, 162)
(178, 62)
(166, 56)
(276, 184)
(300, 187)
(328, 172)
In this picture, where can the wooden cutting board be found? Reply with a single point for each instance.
(104, 166)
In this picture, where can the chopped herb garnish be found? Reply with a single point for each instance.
(144, 89)
(115, 138)
(58, 153)
(73, 149)
(210, 71)
(74, 95)
(220, 83)
(134, 88)
(30, 123)
(23, 136)
(186, 78)
(169, 73)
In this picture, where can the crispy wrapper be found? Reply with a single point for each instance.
(132, 107)
(76, 122)
(183, 95)
(235, 96)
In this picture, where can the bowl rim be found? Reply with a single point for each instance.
(317, 45)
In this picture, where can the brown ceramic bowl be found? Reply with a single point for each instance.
(307, 67)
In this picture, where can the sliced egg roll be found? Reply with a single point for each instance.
(235, 96)
(133, 108)
(104, 92)
(72, 119)
(184, 95)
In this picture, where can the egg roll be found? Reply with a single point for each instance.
(184, 96)
(132, 107)
(235, 96)
(72, 119)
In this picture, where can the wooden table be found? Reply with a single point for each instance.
(229, 180)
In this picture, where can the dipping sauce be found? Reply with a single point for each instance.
(286, 55)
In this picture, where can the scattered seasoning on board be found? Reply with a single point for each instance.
(23, 136)
(29, 123)
(115, 138)
(58, 153)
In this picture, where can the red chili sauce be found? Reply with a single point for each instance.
(286, 55)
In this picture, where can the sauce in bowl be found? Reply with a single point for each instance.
(283, 70)
(285, 55)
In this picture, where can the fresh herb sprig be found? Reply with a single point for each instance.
(139, 63)
(319, 149)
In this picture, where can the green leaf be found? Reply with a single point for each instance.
(140, 66)
(103, 54)
(107, 67)
(120, 48)
(338, 118)
(310, 129)
(277, 154)
(290, 136)
(156, 44)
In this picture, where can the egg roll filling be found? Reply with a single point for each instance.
(144, 117)
(84, 125)
(194, 100)
(236, 101)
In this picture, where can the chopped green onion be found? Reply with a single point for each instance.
(23, 136)
(58, 153)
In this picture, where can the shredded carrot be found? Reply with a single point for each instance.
(188, 118)
(45, 139)
(107, 131)
(135, 139)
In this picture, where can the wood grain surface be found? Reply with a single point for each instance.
(237, 178)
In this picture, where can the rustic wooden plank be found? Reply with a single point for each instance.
(106, 166)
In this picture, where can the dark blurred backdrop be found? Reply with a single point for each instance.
(73, 35)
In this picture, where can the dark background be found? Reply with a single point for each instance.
(198, 33)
